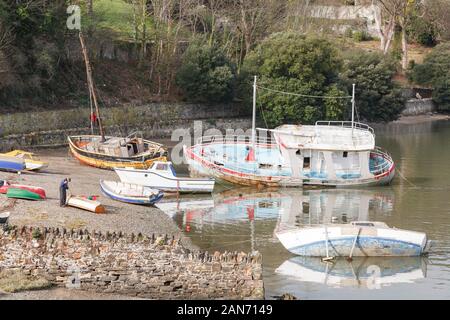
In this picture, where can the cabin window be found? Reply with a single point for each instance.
(161, 166)
(345, 154)
(305, 207)
(306, 162)
(266, 204)
(135, 148)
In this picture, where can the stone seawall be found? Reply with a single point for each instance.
(415, 107)
(125, 117)
(51, 128)
(155, 267)
(55, 138)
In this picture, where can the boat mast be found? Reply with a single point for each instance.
(254, 115)
(353, 107)
(91, 86)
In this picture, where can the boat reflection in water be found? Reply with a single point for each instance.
(372, 273)
(246, 220)
(289, 206)
(254, 214)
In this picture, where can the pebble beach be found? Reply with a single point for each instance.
(119, 217)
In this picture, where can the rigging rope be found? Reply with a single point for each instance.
(264, 117)
(304, 95)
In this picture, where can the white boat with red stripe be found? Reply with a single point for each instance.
(328, 153)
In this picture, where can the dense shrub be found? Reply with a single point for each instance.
(377, 97)
(422, 31)
(361, 35)
(435, 72)
(206, 75)
(35, 48)
(294, 63)
(441, 93)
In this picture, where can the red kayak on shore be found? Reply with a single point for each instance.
(5, 185)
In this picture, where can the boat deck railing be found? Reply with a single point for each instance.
(384, 166)
(346, 124)
(233, 139)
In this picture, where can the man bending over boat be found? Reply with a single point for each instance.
(63, 187)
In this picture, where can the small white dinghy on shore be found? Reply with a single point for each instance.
(131, 193)
(162, 176)
(356, 239)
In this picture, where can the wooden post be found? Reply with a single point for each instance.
(91, 85)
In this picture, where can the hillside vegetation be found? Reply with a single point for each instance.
(208, 52)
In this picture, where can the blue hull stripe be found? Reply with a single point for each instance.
(13, 166)
(149, 201)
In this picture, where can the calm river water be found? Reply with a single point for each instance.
(244, 220)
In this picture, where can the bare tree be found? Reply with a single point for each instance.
(252, 13)
(395, 13)
(6, 39)
(388, 13)
(170, 17)
(140, 18)
(438, 13)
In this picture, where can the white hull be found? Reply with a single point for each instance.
(211, 159)
(86, 204)
(356, 239)
(130, 193)
(164, 182)
(32, 166)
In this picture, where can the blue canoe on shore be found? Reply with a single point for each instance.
(131, 193)
(11, 164)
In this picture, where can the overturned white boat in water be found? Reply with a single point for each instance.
(162, 176)
(356, 239)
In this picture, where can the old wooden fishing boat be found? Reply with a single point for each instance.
(11, 164)
(356, 239)
(86, 204)
(116, 152)
(108, 152)
(162, 176)
(31, 162)
(334, 154)
(131, 193)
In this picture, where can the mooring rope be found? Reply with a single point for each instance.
(404, 178)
